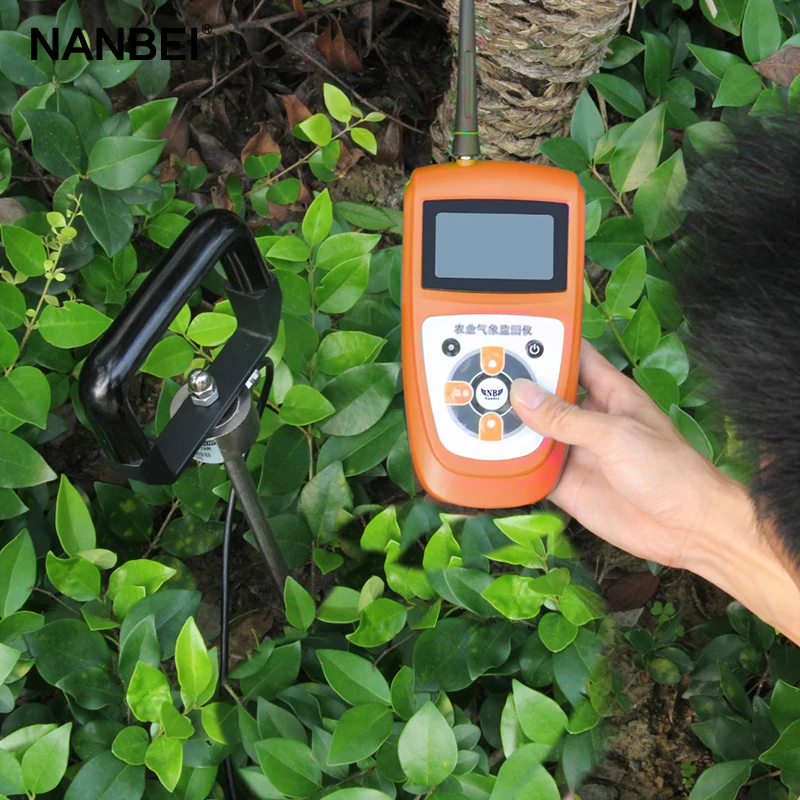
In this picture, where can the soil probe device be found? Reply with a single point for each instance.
(492, 291)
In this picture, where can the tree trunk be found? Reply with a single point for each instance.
(534, 57)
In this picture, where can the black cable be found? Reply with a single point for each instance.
(224, 644)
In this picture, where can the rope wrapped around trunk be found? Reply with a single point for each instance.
(534, 57)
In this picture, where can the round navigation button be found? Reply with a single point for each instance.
(534, 348)
(491, 394)
(450, 347)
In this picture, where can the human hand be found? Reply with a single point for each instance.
(630, 477)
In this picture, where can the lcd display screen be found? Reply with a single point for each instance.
(496, 247)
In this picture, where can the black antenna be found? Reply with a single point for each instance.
(465, 138)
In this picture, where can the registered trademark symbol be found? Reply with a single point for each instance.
(207, 29)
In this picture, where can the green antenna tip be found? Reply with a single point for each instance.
(465, 138)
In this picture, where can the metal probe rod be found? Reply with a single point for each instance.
(465, 137)
(246, 494)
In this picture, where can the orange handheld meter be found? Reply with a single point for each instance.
(492, 291)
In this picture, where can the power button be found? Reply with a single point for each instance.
(451, 347)
(534, 348)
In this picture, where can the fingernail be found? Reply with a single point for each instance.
(527, 393)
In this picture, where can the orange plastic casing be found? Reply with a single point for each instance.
(448, 477)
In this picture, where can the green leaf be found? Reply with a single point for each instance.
(761, 30)
(440, 658)
(622, 50)
(105, 777)
(73, 521)
(286, 462)
(643, 332)
(193, 665)
(565, 153)
(616, 238)
(300, 609)
(24, 250)
(56, 142)
(319, 217)
(627, 282)
(341, 350)
(722, 781)
(427, 747)
(620, 94)
(74, 577)
(73, 325)
(359, 733)
(165, 758)
(150, 575)
(171, 356)
(220, 722)
(150, 119)
(166, 228)
(341, 288)
(381, 530)
(716, 62)
(580, 605)
(147, 691)
(358, 794)
(26, 395)
(638, 151)
(340, 606)
(289, 766)
(318, 129)
(529, 529)
(211, 328)
(586, 126)
(522, 777)
(16, 62)
(12, 306)
(660, 385)
(111, 71)
(284, 192)
(514, 597)
(360, 396)
(556, 632)
(725, 14)
(689, 428)
(117, 162)
(108, 217)
(541, 718)
(380, 622)
(45, 761)
(740, 85)
(656, 202)
(354, 678)
(784, 706)
(303, 405)
(92, 688)
(342, 248)
(279, 672)
(489, 647)
(337, 103)
(657, 63)
(17, 573)
(20, 465)
(321, 500)
(365, 138)
(130, 745)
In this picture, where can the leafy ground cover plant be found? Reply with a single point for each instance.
(444, 657)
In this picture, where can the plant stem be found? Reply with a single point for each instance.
(617, 197)
(176, 504)
(30, 324)
(610, 323)
(57, 599)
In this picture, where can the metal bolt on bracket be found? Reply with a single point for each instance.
(202, 388)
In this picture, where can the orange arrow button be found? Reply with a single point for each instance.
(491, 428)
(457, 393)
(493, 360)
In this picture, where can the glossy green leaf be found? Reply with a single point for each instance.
(211, 328)
(638, 151)
(16, 62)
(45, 761)
(541, 718)
(586, 126)
(341, 350)
(354, 678)
(359, 733)
(73, 521)
(17, 573)
(761, 30)
(56, 142)
(303, 405)
(722, 781)
(130, 745)
(165, 757)
(627, 282)
(106, 777)
(147, 691)
(379, 623)
(72, 325)
(289, 766)
(318, 129)
(193, 665)
(360, 396)
(171, 356)
(24, 250)
(643, 332)
(300, 608)
(556, 632)
(427, 747)
(117, 162)
(620, 94)
(74, 577)
(740, 85)
(656, 204)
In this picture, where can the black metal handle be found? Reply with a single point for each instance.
(106, 375)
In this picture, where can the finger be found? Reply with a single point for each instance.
(553, 417)
(614, 392)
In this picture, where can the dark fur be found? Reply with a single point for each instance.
(740, 289)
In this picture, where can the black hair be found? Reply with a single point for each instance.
(739, 284)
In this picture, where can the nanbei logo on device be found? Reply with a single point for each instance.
(492, 394)
(176, 44)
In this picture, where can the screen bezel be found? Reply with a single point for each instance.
(558, 211)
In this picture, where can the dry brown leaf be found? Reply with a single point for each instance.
(11, 210)
(297, 7)
(304, 197)
(278, 213)
(296, 110)
(204, 12)
(336, 50)
(192, 158)
(219, 193)
(390, 145)
(782, 66)
(260, 144)
(192, 87)
(631, 591)
(347, 158)
(167, 170)
(177, 135)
